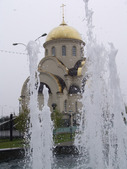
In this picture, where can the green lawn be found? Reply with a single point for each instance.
(6, 143)
(63, 138)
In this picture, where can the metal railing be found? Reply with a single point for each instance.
(8, 130)
(70, 129)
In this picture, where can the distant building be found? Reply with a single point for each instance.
(62, 71)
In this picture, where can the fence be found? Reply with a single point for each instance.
(70, 129)
(6, 134)
(7, 129)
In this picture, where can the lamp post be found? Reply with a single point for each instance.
(11, 127)
(29, 49)
(41, 36)
(15, 44)
(54, 106)
(71, 122)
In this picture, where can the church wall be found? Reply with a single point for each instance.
(25, 95)
(50, 81)
(51, 65)
(68, 60)
(74, 107)
(61, 100)
(41, 101)
(68, 81)
(72, 99)
(77, 81)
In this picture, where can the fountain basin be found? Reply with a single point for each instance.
(8, 154)
(11, 154)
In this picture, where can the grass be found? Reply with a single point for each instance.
(6, 143)
(60, 138)
(63, 138)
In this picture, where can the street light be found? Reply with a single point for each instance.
(14, 44)
(41, 36)
(32, 48)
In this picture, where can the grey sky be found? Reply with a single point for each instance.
(24, 20)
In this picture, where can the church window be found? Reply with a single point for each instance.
(53, 51)
(65, 105)
(63, 50)
(74, 51)
(46, 52)
(76, 107)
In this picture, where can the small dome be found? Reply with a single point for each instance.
(63, 32)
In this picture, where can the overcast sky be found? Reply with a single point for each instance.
(25, 20)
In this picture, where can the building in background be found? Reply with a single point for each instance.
(62, 71)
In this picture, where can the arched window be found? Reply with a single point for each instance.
(65, 105)
(46, 52)
(53, 51)
(74, 51)
(76, 106)
(63, 50)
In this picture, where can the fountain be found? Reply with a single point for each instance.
(39, 153)
(102, 133)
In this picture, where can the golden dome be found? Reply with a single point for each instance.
(63, 31)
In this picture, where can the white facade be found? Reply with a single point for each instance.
(61, 70)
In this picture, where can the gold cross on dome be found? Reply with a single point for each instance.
(63, 10)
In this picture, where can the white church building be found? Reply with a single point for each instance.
(62, 71)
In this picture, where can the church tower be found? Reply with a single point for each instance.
(62, 71)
